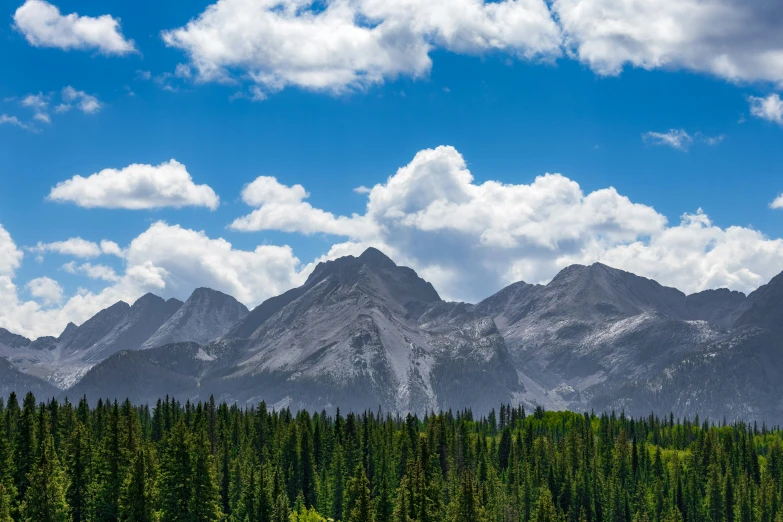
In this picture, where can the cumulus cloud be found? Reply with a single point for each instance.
(343, 45)
(738, 40)
(44, 26)
(769, 108)
(777, 203)
(350, 44)
(103, 272)
(472, 239)
(75, 246)
(168, 260)
(137, 186)
(284, 208)
(468, 238)
(46, 290)
(10, 255)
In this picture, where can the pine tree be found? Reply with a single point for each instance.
(545, 510)
(110, 470)
(307, 463)
(357, 504)
(282, 511)
(204, 504)
(247, 505)
(136, 503)
(26, 444)
(176, 475)
(78, 466)
(44, 499)
(5, 505)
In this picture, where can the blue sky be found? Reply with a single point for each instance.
(672, 131)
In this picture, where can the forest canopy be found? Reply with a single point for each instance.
(206, 462)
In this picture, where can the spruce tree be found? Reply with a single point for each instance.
(204, 504)
(136, 502)
(357, 504)
(176, 475)
(26, 444)
(78, 466)
(5, 505)
(44, 499)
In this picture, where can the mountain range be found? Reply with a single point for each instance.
(362, 332)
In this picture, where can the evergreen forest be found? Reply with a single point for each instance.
(175, 462)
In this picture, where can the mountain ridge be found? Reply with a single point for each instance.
(362, 331)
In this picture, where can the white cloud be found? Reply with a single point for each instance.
(36, 101)
(472, 239)
(349, 44)
(284, 208)
(111, 248)
(47, 290)
(191, 259)
(103, 272)
(769, 108)
(75, 246)
(137, 186)
(675, 138)
(469, 239)
(738, 40)
(345, 45)
(10, 255)
(165, 259)
(86, 103)
(44, 26)
(777, 203)
(679, 139)
(13, 120)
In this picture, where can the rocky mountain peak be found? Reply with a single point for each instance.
(95, 328)
(206, 315)
(68, 333)
(376, 258)
(764, 306)
(13, 340)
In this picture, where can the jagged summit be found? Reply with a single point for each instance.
(363, 331)
(764, 306)
(374, 257)
(13, 340)
(372, 274)
(68, 332)
(206, 315)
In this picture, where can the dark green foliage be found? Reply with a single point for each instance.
(210, 462)
(44, 499)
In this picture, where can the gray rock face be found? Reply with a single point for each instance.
(360, 333)
(206, 315)
(596, 337)
(63, 360)
(363, 332)
(12, 341)
(13, 380)
(140, 322)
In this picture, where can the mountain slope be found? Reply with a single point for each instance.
(206, 315)
(12, 380)
(139, 324)
(593, 327)
(361, 332)
(735, 375)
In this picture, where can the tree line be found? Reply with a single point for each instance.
(64, 462)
